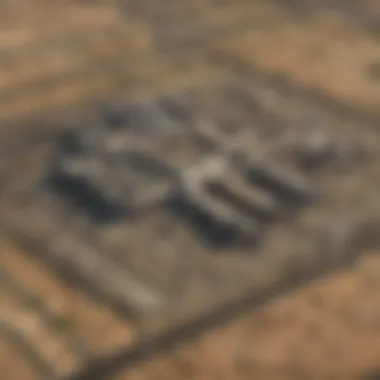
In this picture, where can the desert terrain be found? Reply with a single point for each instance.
(56, 56)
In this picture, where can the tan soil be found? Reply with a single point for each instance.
(306, 53)
(12, 365)
(94, 325)
(92, 49)
(328, 330)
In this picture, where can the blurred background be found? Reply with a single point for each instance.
(57, 56)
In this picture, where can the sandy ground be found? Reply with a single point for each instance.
(47, 313)
(328, 330)
(57, 54)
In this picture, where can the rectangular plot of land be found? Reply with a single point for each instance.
(243, 218)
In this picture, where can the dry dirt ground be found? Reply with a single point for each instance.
(60, 53)
(57, 54)
(328, 330)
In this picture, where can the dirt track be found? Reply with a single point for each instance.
(329, 330)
